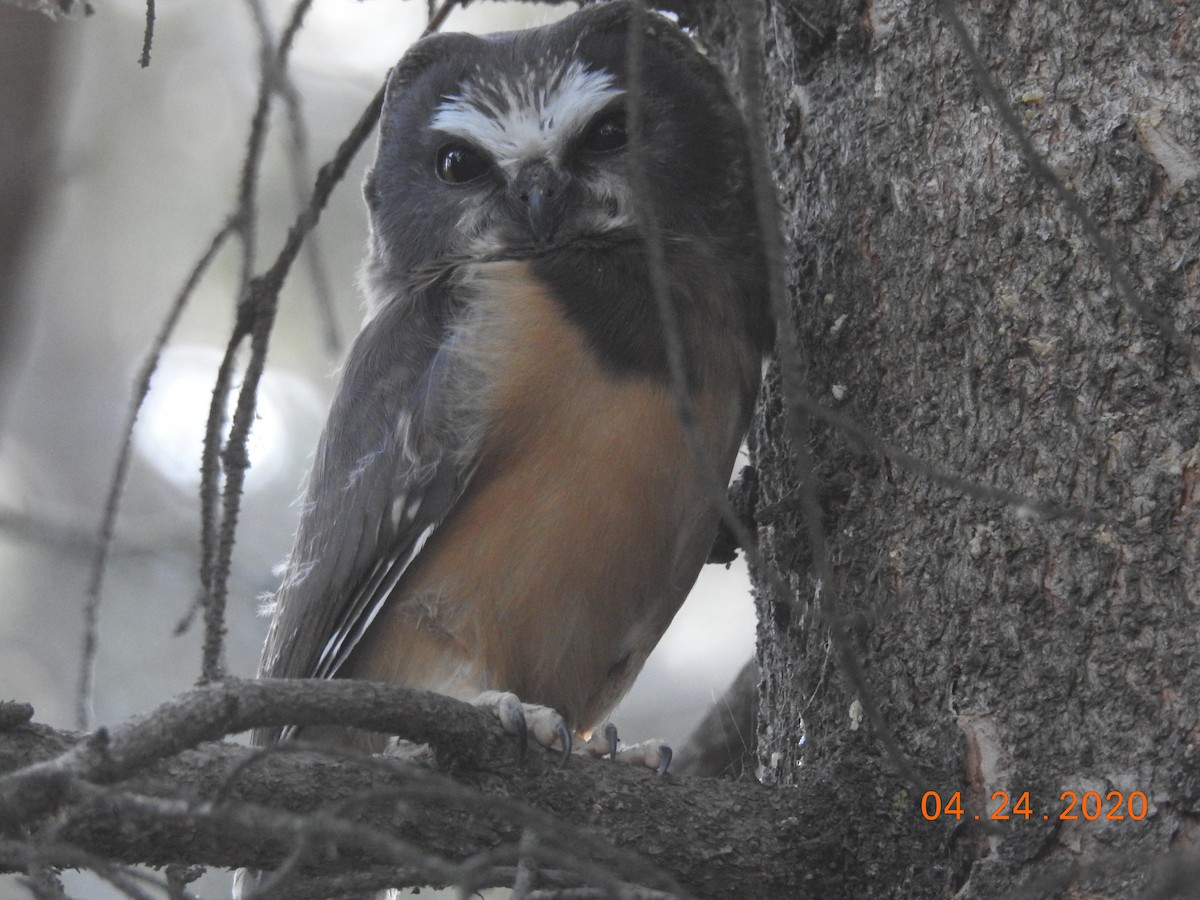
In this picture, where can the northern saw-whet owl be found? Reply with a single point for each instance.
(503, 498)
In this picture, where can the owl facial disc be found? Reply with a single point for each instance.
(525, 119)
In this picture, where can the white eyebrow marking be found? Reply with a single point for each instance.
(537, 115)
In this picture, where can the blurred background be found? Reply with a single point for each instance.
(113, 180)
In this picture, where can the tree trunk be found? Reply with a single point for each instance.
(949, 303)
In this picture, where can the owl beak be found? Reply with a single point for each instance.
(539, 189)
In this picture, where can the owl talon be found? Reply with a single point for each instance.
(564, 738)
(526, 720)
(666, 752)
(601, 743)
(610, 735)
(522, 731)
(651, 754)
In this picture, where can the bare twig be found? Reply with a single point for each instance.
(527, 869)
(284, 86)
(256, 318)
(214, 537)
(147, 36)
(116, 484)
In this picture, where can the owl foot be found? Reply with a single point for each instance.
(527, 720)
(601, 743)
(651, 754)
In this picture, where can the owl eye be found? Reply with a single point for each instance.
(606, 134)
(458, 164)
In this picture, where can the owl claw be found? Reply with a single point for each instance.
(548, 729)
(666, 752)
(522, 731)
(651, 754)
(564, 738)
(525, 720)
(610, 735)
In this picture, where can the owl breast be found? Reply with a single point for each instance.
(581, 531)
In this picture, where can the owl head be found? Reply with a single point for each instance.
(514, 144)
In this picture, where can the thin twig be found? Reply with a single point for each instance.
(147, 35)
(255, 320)
(217, 541)
(314, 257)
(282, 85)
(116, 484)
(527, 869)
(245, 217)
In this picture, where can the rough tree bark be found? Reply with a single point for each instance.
(948, 302)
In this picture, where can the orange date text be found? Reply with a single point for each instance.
(1089, 806)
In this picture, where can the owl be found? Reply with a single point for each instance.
(504, 500)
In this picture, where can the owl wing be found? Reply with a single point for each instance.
(387, 471)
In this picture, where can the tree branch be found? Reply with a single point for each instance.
(152, 791)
